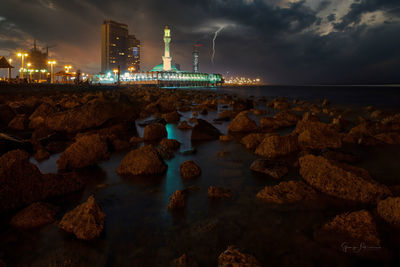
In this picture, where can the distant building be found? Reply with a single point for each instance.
(118, 48)
(195, 59)
(38, 63)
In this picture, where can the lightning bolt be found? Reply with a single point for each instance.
(215, 38)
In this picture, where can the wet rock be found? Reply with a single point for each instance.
(170, 144)
(41, 154)
(341, 180)
(189, 169)
(35, 215)
(177, 200)
(86, 221)
(171, 117)
(19, 122)
(341, 157)
(159, 120)
(279, 104)
(184, 126)
(21, 182)
(389, 210)
(154, 131)
(135, 140)
(317, 135)
(203, 130)
(354, 228)
(185, 261)
(218, 192)
(226, 115)
(242, 123)
(225, 138)
(6, 114)
(274, 146)
(86, 151)
(37, 118)
(232, 256)
(142, 161)
(251, 141)
(274, 169)
(87, 116)
(281, 120)
(165, 153)
(288, 192)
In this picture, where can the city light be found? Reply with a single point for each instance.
(242, 81)
(52, 63)
(22, 55)
(67, 68)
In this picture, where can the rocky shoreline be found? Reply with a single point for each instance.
(319, 142)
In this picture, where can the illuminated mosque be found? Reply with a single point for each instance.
(167, 74)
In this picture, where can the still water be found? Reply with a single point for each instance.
(140, 231)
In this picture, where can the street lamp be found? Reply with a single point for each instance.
(9, 69)
(52, 63)
(29, 70)
(67, 68)
(22, 56)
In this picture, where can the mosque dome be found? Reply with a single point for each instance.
(160, 67)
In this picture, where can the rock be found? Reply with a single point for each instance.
(159, 120)
(142, 161)
(227, 115)
(274, 146)
(87, 116)
(9, 143)
(165, 153)
(242, 123)
(35, 215)
(6, 114)
(242, 104)
(204, 131)
(259, 112)
(317, 135)
(41, 154)
(279, 104)
(354, 228)
(19, 122)
(21, 182)
(135, 140)
(86, 221)
(86, 151)
(251, 141)
(270, 168)
(37, 118)
(154, 131)
(184, 126)
(204, 111)
(341, 180)
(170, 144)
(185, 261)
(287, 193)
(171, 117)
(232, 256)
(189, 169)
(389, 210)
(391, 138)
(341, 157)
(225, 138)
(218, 192)
(281, 120)
(177, 200)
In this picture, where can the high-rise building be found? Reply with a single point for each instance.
(118, 48)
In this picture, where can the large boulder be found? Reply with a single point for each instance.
(204, 130)
(86, 151)
(154, 131)
(35, 215)
(189, 169)
(170, 144)
(86, 221)
(22, 183)
(232, 256)
(341, 180)
(177, 200)
(242, 123)
(317, 135)
(142, 161)
(287, 193)
(251, 141)
(37, 118)
(389, 210)
(274, 146)
(351, 230)
(271, 168)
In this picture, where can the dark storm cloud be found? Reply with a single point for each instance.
(274, 39)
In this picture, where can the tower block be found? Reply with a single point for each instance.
(167, 59)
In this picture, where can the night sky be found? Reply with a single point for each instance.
(281, 41)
